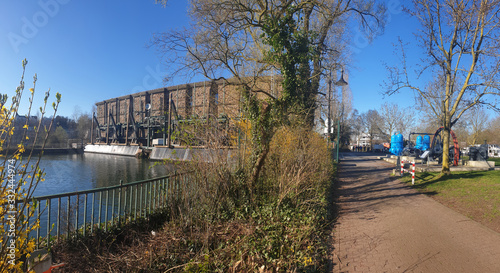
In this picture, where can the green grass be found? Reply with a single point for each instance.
(495, 159)
(474, 194)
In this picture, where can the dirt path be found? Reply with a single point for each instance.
(385, 226)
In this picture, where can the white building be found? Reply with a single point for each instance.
(362, 140)
(493, 151)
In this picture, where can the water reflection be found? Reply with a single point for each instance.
(68, 173)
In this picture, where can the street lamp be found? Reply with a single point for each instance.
(340, 82)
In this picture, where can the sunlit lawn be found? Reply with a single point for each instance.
(495, 159)
(474, 194)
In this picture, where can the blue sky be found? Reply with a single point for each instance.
(93, 50)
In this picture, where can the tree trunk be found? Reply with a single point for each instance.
(446, 150)
(261, 139)
(257, 166)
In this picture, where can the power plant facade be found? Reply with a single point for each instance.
(175, 115)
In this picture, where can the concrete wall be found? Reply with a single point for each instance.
(481, 164)
(188, 154)
(112, 149)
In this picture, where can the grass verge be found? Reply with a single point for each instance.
(474, 194)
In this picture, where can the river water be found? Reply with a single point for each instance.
(75, 172)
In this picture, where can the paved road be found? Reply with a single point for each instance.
(385, 226)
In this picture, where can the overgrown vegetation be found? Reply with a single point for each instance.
(474, 194)
(222, 223)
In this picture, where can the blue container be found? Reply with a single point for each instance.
(426, 144)
(393, 144)
(419, 144)
(400, 143)
(397, 144)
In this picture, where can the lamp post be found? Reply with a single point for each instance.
(340, 82)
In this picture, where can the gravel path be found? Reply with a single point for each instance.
(385, 226)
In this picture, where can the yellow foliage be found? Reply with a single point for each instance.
(242, 136)
(298, 160)
(15, 229)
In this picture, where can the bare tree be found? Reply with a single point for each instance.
(163, 2)
(84, 122)
(77, 112)
(494, 131)
(461, 43)
(478, 123)
(245, 40)
(371, 122)
(356, 126)
(395, 119)
(229, 39)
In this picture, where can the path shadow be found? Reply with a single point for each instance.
(369, 196)
(360, 170)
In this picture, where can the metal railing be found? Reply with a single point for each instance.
(101, 208)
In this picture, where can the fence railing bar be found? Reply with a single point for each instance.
(77, 210)
(38, 228)
(124, 204)
(113, 208)
(163, 193)
(106, 212)
(92, 214)
(85, 214)
(48, 221)
(128, 212)
(58, 217)
(158, 194)
(135, 205)
(135, 200)
(119, 209)
(151, 197)
(68, 220)
(158, 185)
(140, 209)
(97, 189)
(153, 194)
(100, 208)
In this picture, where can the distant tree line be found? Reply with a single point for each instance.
(64, 132)
(476, 127)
